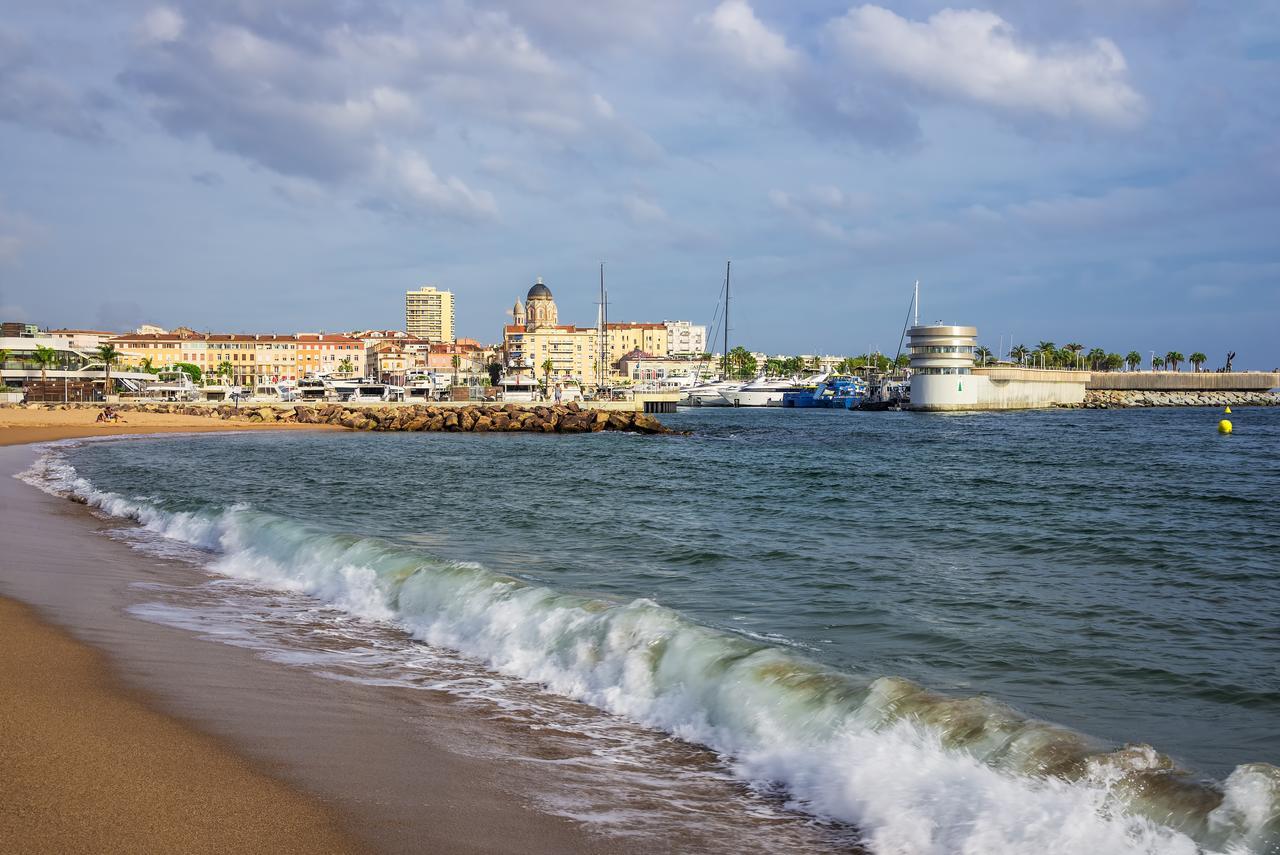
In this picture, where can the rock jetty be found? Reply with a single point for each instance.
(472, 418)
(1103, 399)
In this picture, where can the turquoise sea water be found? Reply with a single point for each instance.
(806, 591)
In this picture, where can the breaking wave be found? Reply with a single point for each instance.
(916, 771)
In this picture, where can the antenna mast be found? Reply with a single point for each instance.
(915, 301)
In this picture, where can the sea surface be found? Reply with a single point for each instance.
(1039, 632)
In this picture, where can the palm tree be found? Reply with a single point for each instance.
(1172, 359)
(1156, 363)
(1097, 359)
(1197, 359)
(547, 367)
(148, 366)
(1074, 348)
(45, 358)
(1047, 352)
(1133, 360)
(982, 354)
(109, 356)
(457, 360)
(1019, 352)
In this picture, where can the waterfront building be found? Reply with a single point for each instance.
(639, 366)
(319, 354)
(944, 377)
(685, 338)
(428, 314)
(573, 351)
(622, 338)
(85, 340)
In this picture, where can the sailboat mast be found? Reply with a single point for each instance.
(600, 334)
(726, 319)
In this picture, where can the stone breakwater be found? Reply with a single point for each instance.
(561, 418)
(1102, 399)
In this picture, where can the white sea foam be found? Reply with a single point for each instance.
(917, 772)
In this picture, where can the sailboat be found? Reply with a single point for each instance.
(709, 393)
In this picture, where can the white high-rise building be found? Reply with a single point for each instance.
(428, 314)
(685, 338)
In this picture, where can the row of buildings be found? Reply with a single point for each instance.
(533, 342)
(536, 341)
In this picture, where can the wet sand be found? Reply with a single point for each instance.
(397, 768)
(168, 743)
(87, 767)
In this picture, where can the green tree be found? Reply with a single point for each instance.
(1197, 359)
(1019, 352)
(775, 366)
(742, 365)
(44, 358)
(1156, 363)
(1133, 360)
(225, 370)
(192, 371)
(457, 361)
(147, 365)
(982, 355)
(495, 372)
(1097, 359)
(109, 356)
(1173, 359)
(1048, 352)
(547, 367)
(346, 366)
(1113, 362)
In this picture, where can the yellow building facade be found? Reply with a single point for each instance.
(428, 314)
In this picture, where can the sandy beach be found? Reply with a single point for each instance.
(145, 739)
(89, 767)
(19, 426)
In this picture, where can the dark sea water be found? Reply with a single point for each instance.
(943, 630)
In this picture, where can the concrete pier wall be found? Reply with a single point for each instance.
(1185, 381)
(1001, 388)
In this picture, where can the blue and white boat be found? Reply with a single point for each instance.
(831, 392)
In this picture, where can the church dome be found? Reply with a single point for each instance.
(539, 290)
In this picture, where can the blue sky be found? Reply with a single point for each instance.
(1090, 170)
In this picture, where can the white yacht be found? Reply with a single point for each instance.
(709, 394)
(173, 385)
(361, 391)
(519, 389)
(760, 393)
(419, 387)
(312, 388)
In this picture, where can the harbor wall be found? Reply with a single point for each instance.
(1185, 381)
(1105, 399)
(998, 389)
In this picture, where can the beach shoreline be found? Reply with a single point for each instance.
(118, 735)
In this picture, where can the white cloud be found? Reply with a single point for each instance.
(161, 24)
(743, 39)
(974, 56)
(413, 187)
(643, 211)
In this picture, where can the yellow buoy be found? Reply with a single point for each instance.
(1224, 426)
(1227, 411)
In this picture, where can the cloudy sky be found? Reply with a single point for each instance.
(1103, 171)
